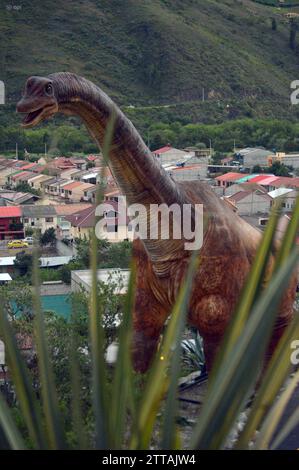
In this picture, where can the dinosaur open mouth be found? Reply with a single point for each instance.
(35, 117)
(31, 117)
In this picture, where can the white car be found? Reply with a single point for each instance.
(29, 240)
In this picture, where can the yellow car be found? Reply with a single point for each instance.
(17, 244)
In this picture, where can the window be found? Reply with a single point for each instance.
(49, 219)
(26, 220)
(263, 222)
(112, 228)
(111, 214)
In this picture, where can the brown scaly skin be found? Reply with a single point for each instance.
(229, 243)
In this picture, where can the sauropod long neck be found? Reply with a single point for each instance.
(140, 176)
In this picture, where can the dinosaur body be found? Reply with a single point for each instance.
(229, 248)
(229, 244)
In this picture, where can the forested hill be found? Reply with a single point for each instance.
(157, 52)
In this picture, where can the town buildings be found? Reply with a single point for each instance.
(11, 226)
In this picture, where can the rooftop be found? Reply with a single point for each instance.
(163, 150)
(231, 176)
(279, 192)
(72, 185)
(68, 209)
(84, 219)
(286, 182)
(120, 277)
(31, 211)
(243, 194)
(10, 211)
(17, 197)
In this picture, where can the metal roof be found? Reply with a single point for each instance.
(44, 262)
(31, 211)
(231, 176)
(261, 178)
(114, 275)
(54, 261)
(246, 178)
(279, 192)
(90, 175)
(7, 260)
(5, 277)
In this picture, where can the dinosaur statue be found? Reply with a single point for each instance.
(229, 243)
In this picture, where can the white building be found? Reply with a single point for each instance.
(251, 202)
(82, 279)
(169, 154)
(288, 197)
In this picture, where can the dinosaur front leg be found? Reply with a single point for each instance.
(149, 314)
(148, 321)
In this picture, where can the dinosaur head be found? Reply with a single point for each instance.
(38, 102)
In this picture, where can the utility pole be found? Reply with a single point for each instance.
(210, 148)
(203, 95)
(45, 150)
(17, 151)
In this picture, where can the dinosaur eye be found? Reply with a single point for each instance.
(49, 89)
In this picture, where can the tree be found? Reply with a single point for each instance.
(24, 187)
(118, 255)
(17, 299)
(23, 262)
(257, 169)
(48, 237)
(279, 169)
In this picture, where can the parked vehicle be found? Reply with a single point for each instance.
(17, 244)
(29, 240)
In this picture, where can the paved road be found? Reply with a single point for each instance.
(4, 251)
(63, 249)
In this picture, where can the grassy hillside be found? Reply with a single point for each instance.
(156, 52)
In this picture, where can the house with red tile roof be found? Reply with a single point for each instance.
(11, 227)
(78, 191)
(228, 179)
(66, 189)
(285, 182)
(18, 176)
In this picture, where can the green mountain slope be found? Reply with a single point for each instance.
(146, 52)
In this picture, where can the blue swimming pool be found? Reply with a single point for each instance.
(59, 304)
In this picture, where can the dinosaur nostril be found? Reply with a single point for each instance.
(20, 106)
